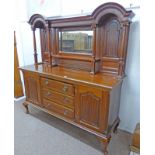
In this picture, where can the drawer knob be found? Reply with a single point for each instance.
(46, 82)
(65, 112)
(65, 88)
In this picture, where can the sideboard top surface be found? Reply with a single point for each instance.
(57, 72)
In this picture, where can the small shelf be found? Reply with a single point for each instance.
(75, 57)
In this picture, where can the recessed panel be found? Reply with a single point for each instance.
(112, 36)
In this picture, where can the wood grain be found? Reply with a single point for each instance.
(18, 88)
(82, 89)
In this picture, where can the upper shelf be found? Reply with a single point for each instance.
(94, 43)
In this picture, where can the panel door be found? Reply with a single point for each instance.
(91, 108)
(32, 87)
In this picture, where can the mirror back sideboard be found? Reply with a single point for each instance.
(83, 65)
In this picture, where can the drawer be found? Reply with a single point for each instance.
(59, 109)
(58, 98)
(62, 87)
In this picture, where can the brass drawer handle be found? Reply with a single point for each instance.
(65, 112)
(48, 93)
(46, 82)
(65, 99)
(48, 105)
(65, 88)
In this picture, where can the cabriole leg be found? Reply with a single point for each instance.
(104, 144)
(26, 107)
(105, 148)
(116, 128)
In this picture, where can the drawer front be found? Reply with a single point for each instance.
(62, 87)
(66, 112)
(58, 98)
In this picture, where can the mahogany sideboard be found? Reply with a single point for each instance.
(83, 65)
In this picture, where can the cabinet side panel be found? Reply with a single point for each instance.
(114, 104)
(104, 111)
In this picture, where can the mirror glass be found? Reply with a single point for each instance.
(76, 41)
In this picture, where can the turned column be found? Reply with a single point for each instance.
(35, 47)
(94, 49)
(123, 46)
(48, 30)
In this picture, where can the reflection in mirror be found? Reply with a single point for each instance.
(76, 41)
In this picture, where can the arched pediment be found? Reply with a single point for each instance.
(37, 21)
(113, 9)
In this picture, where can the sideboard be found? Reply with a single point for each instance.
(82, 69)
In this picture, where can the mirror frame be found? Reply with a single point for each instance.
(85, 28)
(80, 51)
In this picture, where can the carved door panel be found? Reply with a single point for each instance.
(32, 87)
(90, 108)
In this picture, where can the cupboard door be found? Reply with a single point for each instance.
(91, 107)
(32, 87)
